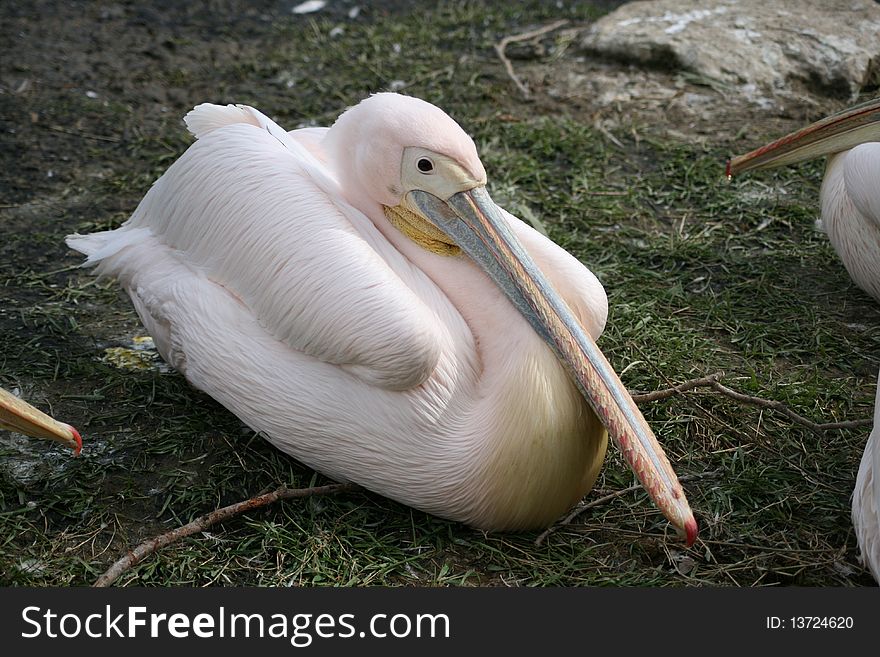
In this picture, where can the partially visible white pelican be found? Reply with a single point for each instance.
(850, 198)
(866, 497)
(19, 416)
(850, 192)
(354, 294)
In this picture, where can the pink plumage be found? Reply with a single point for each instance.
(266, 268)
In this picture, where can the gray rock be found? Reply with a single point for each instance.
(760, 49)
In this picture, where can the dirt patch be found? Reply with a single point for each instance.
(663, 103)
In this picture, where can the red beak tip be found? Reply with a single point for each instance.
(78, 439)
(690, 529)
(727, 171)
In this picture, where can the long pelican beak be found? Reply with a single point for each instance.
(832, 134)
(19, 416)
(473, 220)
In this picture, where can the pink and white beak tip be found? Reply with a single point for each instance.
(78, 439)
(690, 530)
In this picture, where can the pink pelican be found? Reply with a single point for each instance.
(850, 197)
(850, 193)
(19, 416)
(354, 294)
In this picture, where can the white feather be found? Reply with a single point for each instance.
(207, 117)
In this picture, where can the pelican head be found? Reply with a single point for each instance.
(423, 169)
(19, 416)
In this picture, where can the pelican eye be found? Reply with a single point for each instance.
(425, 165)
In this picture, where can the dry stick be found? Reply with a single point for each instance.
(782, 408)
(705, 381)
(579, 510)
(84, 135)
(712, 381)
(200, 524)
(589, 505)
(525, 36)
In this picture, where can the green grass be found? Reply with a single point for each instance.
(702, 275)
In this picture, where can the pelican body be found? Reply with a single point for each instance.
(850, 194)
(866, 497)
(353, 294)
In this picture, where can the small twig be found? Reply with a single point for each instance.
(606, 498)
(782, 408)
(448, 70)
(712, 381)
(580, 509)
(525, 36)
(200, 524)
(84, 135)
(607, 134)
(705, 381)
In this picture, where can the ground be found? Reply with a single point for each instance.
(702, 275)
